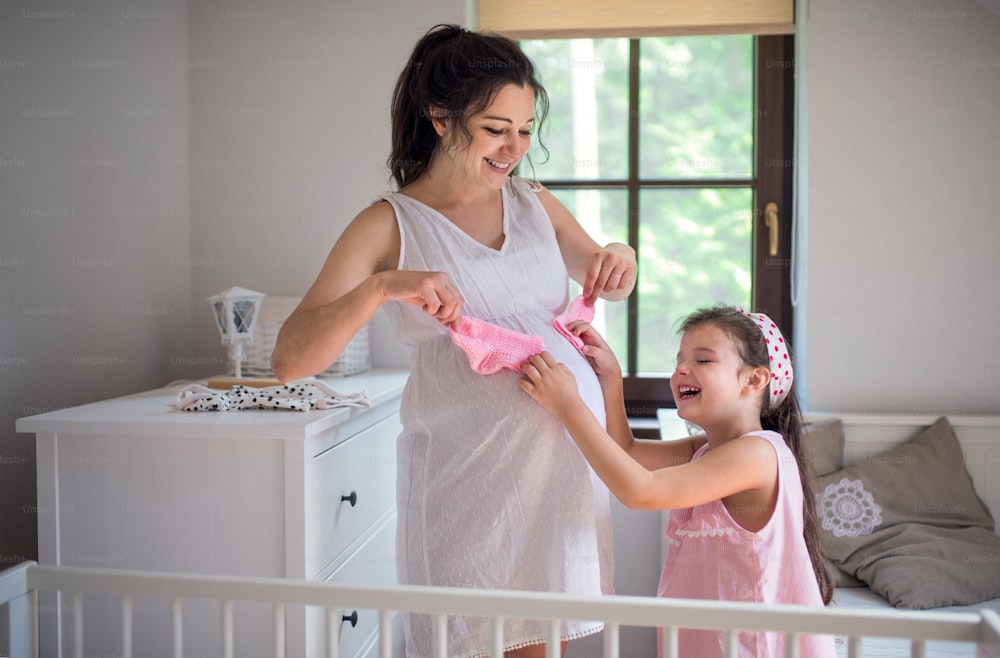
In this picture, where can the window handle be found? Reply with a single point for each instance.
(771, 222)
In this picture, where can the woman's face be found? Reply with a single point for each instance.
(500, 136)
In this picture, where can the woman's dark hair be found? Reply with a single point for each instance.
(785, 419)
(458, 73)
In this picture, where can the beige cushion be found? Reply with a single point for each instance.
(824, 444)
(909, 523)
(824, 441)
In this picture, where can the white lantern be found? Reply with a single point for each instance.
(236, 310)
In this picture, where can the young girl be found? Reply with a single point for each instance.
(742, 524)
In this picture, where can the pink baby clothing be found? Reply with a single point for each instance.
(492, 348)
(711, 557)
(577, 310)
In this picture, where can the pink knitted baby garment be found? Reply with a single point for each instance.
(492, 348)
(578, 310)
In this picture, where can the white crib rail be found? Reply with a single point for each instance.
(27, 579)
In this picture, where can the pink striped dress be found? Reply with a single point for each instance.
(711, 557)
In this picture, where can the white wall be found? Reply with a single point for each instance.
(290, 119)
(153, 155)
(902, 304)
(94, 219)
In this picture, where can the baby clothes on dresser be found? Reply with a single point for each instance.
(298, 396)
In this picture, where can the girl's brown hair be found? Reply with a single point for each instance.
(458, 73)
(785, 418)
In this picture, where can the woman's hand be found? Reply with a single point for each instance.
(551, 384)
(602, 359)
(434, 292)
(611, 273)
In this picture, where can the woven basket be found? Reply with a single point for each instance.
(355, 358)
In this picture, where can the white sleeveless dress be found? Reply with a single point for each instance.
(492, 493)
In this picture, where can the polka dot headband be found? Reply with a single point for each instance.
(777, 352)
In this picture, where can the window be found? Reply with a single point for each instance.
(675, 145)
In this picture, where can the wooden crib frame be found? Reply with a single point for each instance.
(19, 587)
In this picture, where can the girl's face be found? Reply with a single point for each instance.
(709, 383)
(501, 135)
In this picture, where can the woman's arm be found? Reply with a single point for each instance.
(358, 277)
(608, 272)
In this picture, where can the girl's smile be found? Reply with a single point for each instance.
(687, 392)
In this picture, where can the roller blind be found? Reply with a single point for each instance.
(551, 19)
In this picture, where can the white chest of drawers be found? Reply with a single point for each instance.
(131, 483)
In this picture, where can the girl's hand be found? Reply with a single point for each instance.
(551, 384)
(434, 292)
(602, 359)
(611, 269)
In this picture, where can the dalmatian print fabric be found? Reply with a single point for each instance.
(299, 396)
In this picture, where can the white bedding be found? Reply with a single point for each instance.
(864, 598)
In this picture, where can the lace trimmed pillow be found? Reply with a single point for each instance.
(908, 522)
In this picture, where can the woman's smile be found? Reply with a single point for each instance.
(502, 167)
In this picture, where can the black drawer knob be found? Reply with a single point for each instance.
(352, 618)
(352, 498)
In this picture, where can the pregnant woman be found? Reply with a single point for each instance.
(491, 493)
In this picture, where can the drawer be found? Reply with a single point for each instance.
(373, 563)
(349, 488)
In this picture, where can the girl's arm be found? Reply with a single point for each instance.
(358, 277)
(609, 374)
(746, 464)
(608, 272)
(652, 454)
